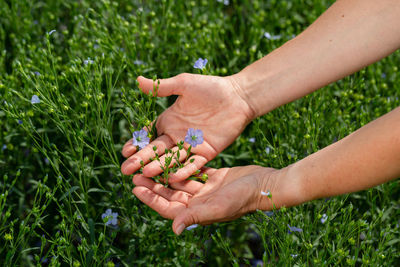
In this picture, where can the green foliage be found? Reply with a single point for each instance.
(60, 159)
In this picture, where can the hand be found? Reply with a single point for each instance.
(228, 194)
(210, 103)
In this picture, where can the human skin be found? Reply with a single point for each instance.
(363, 159)
(350, 35)
(209, 103)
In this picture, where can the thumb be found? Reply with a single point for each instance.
(165, 87)
(190, 216)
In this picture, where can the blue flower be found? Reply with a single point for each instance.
(35, 99)
(293, 229)
(191, 227)
(140, 139)
(37, 73)
(19, 122)
(324, 218)
(269, 213)
(226, 2)
(51, 32)
(138, 62)
(272, 37)
(194, 137)
(111, 217)
(252, 140)
(267, 150)
(88, 61)
(256, 262)
(4, 147)
(294, 255)
(200, 63)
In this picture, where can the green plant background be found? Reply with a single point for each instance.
(60, 159)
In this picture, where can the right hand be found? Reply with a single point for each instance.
(229, 193)
(212, 104)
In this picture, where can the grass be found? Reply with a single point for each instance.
(60, 159)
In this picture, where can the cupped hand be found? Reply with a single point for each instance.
(228, 194)
(212, 104)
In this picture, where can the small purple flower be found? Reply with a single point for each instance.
(272, 37)
(252, 140)
(140, 139)
(267, 150)
(111, 217)
(138, 62)
(256, 262)
(51, 32)
(46, 160)
(200, 63)
(363, 236)
(293, 229)
(35, 99)
(294, 255)
(191, 227)
(324, 218)
(267, 35)
(37, 73)
(19, 122)
(383, 75)
(194, 137)
(226, 2)
(4, 147)
(88, 61)
(269, 213)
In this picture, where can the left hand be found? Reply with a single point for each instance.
(213, 104)
(228, 194)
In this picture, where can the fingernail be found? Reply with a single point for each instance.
(180, 229)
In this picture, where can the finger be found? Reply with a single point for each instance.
(129, 149)
(154, 168)
(204, 149)
(189, 186)
(193, 215)
(189, 169)
(205, 211)
(165, 87)
(132, 164)
(167, 209)
(167, 193)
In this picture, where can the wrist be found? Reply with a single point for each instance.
(284, 188)
(238, 86)
(263, 85)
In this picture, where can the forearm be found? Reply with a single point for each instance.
(368, 157)
(350, 35)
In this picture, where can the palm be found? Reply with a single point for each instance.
(228, 194)
(209, 103)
